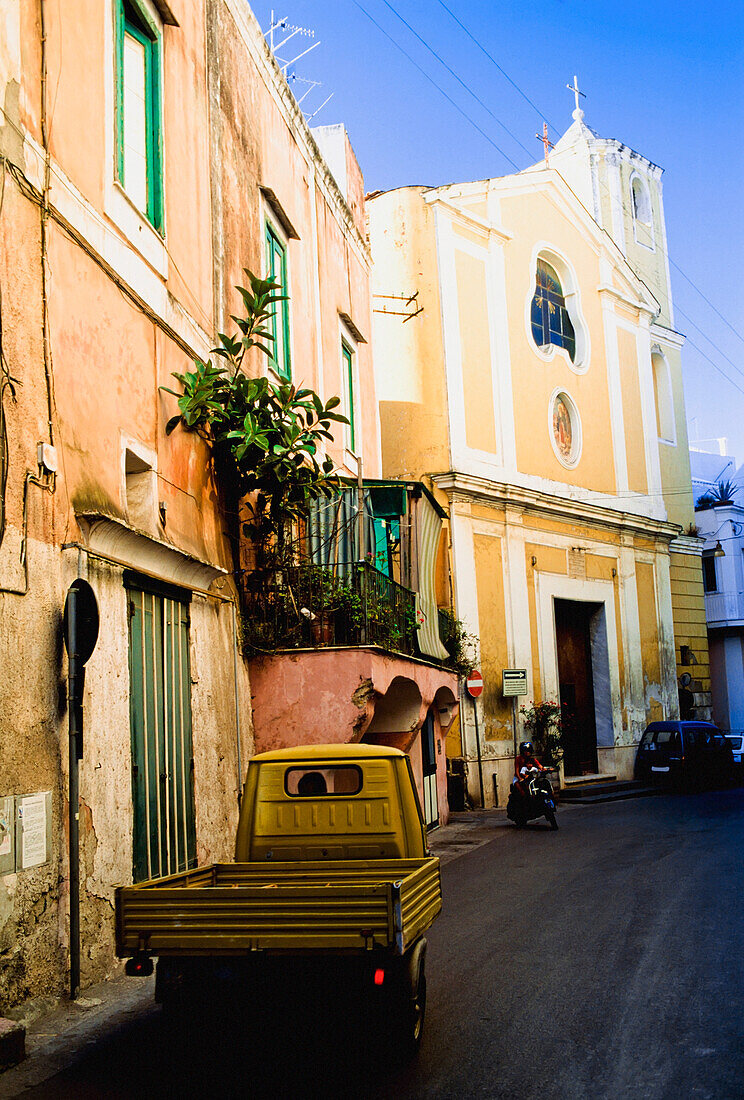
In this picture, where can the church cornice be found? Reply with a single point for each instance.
(472, 489)
(667, 335)
(467, 219)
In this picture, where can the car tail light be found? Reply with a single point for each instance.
(379, 977)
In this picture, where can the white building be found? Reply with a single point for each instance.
(722, 527)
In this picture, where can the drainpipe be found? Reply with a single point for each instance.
(237, 702)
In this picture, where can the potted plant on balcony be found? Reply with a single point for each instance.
(264, 439)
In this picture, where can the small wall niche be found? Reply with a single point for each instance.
(140, 480)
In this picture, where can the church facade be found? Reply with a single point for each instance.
(539, 391)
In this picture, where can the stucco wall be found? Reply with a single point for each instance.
(330, 695)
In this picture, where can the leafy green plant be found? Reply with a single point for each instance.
(459, 643)
(722, 493)
(264, 436)
(545, 724)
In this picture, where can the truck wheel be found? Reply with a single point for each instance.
(407, 1022)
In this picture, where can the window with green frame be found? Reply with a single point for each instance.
(347, 368)
(138, 112)
(276, 269)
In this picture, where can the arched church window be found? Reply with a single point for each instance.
(641, 201)
(551, 323)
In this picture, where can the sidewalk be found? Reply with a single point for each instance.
(56, 1040)
(466, 831)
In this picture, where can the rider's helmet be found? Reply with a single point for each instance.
(527, 746)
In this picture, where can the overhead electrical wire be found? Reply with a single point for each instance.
(524, 95)
(478, 99)
(493, 61)
(437, 86)
(459, 80)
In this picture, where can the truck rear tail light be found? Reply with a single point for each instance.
(379, 976)
(140, 966)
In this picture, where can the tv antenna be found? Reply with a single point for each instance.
(287, 66)
(283, 24)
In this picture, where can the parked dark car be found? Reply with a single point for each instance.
(684, 754)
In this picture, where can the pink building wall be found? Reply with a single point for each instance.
(363, 694)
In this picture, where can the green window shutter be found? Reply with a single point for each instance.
(164, 840)
(347, 360)
(276, 269)
(134, 31)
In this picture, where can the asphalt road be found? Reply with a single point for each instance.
(601, 961)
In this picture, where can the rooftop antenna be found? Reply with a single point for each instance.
(285, 25)
(317, 109)
(546, 142)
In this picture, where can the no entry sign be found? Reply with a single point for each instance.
(474, 683)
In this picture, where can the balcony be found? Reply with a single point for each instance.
(309, 606)
(724, 607)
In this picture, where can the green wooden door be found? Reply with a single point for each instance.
(162, 754)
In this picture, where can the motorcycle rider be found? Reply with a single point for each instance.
(522, 765)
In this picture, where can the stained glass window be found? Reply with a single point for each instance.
(550, 321)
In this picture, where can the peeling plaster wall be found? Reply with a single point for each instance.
(123, 314)
(31, 955)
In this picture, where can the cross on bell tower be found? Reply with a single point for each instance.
(577, 113)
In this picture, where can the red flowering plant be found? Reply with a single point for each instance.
(544, 721)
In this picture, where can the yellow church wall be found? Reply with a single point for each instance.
(532, 610)
(475, 351)
(674, 458)
(489, 575)
(599, 567)
(464, 233)
(648, 622)
(488, 512)
(632, 411)
(550, 559)
(533, 378)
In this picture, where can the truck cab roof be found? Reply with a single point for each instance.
(329, 752)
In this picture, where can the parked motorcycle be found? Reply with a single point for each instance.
(539, 801)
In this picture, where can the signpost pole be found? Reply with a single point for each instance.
(81, 623)
(73, 808)
(514, 723)
(478, 750)
(474, 685)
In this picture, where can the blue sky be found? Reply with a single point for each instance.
(665, 78)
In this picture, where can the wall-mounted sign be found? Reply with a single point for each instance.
(33, 830)
(7, 835)
(514, 681)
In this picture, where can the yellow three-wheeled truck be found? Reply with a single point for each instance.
(332, 887)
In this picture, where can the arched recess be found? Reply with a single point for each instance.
(664, 400)
(446, 706)
(397, 715)
(640, 205)
(568, 292)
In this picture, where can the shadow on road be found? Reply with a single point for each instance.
(283, 1055)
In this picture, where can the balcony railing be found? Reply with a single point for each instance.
(306, 605)
(721, 607)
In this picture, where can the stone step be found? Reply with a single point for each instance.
(12, 1043)
(587, 793)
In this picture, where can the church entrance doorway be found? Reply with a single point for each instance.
(581, 641)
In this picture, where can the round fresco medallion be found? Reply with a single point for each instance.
(563, 428)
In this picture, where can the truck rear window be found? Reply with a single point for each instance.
(316, 782)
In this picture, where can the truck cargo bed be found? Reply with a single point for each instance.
(235, 908)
